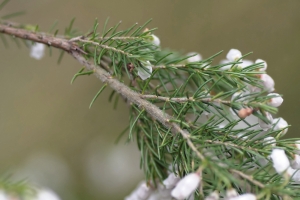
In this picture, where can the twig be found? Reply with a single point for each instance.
(247, 177)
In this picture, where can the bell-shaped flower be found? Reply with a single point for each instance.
(267, 82)
(246, 63)
(276, 100)
(263, 64)
(213, 196)
(155, 40)
(145, 73)
(269, 141)
(171, 181)
(142, 192)
(265, 126)
(186, 186)
(46, 194)
(233, 55)
(280, 124)
(196, 58)
(280, 160)
(247, 196)
(294, 173)
(37, 50)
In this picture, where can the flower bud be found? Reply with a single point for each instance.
(294, 173)
(155, 40)
(267, 82)
(46, 195)
(196, 58)
(281, 124)
(246, 63)
(295, 163)
(263, 64)
(142, 192)
(280, 160)
(171, 181)
(230, 193)
(269, 141)
(186, 186)
(245, 112)
(244, 197)
(265, 126)
(143, 73)
(37, 50)
(276, 100)
(213, 196)
(233, 55)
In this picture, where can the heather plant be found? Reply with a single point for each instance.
(205, 130)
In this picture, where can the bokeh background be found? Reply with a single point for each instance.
(50, 137)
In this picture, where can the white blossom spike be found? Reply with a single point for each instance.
(37, 50)
(265, 126)
(186, 186)
(276, 101)
(280, 160)
(233, 55)
(196, 58)
(263, 64)
(281, 124)
(143, 73)
(247, 196)
(171, 181)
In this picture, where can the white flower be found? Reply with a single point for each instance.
(213, 196)
(142, 192)
(231, 193)
(294, 173)
(269, 141)
(281, 124)
(46, 195)
(155, 40)
(226, 67)
(196, 58)
(263, 64)
(186, 186)
(233, 55)
(297, 143)
(244, 197)
(37, 50)
(171, 181)
(295, 163)
(280, 160)
(143, 73)
(276, 101)
(263, 124)
(246, 63)
(3, 196)
(267, 82)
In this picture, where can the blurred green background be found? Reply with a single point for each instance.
(47, 132)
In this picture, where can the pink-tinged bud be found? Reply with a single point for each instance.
(233, 55)
(171, 181)
(186, 186)
(196, 58)
(276, 100)
(280, 160)
(265, 126)
(263, 64)
(267, 82)
(281, 124)
(244, 197)
(143, 73)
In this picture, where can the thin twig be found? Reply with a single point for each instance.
(247, 177)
